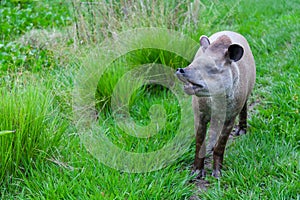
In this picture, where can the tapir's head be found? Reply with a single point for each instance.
(211, 72)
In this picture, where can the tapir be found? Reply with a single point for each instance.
(220, 79)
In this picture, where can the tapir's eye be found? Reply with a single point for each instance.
(214, 70)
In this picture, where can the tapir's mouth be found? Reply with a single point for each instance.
(193, 87)
(189, 83)
(193, 84)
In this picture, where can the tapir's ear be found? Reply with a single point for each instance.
(235, 52)
(204, 42)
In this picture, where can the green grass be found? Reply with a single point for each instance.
(42, 156)
(35, 129)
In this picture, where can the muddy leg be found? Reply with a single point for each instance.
(200, 129)
(241, 128)
(219, 148)
(213, 132)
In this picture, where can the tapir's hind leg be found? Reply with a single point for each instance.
(241, 128)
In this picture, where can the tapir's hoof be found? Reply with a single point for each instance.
(216, 173)
(239, 131)
(200, 173)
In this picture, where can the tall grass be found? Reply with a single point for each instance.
(35, 127)
(99, 20)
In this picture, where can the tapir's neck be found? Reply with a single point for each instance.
(235, 72)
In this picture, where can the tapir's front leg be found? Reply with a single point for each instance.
(200, 131)
(219, 148)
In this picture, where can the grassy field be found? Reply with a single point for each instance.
(45, 44)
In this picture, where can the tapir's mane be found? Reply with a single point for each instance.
(221, 43)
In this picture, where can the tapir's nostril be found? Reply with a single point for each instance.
(180, 70)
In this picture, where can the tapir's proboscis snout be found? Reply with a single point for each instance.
(223, 66)
(193, 86)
